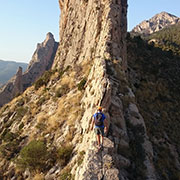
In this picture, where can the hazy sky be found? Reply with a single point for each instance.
(24, 23)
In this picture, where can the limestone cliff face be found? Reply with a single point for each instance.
(91, 28)
(42, 60)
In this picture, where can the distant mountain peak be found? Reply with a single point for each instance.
(156, 23)
(49, 35)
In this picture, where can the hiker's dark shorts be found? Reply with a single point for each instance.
(99, 130)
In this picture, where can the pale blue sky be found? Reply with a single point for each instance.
(24, 23)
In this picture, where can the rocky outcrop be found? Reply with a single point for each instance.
(89, 29)
(8, 69)
(12, 88)
(94, 32)
(156, 23)
(42, 60)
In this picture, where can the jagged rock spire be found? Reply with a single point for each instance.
(41, 61)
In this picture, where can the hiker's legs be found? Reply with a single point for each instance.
(98, 139)
(102, 140)
(102, 136)
(99, 136)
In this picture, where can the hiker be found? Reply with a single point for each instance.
(101, 125)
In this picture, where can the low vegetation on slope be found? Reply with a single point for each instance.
(168, 39)
(38, 128)
(155, 79)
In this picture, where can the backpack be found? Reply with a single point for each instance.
(99, 119)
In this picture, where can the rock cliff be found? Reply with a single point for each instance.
(12, 88)
(42, 60)
(156, 23)
(8, 69)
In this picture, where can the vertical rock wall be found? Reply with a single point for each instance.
(94, 32)
(91, 28)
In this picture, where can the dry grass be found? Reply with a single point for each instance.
(69, 79)
(39, 177)
(12, 104)
(53, 122)
(41, 117)
(55, 75)
(71, 109)
(40, 91)
(33, 108)
(25, 118)
(86, 67)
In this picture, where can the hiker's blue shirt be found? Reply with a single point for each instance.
(103, 118)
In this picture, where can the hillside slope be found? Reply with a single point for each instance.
(167, 39)
(8, 69)
(154, 77)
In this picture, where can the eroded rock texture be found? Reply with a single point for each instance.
(90, 29)
(94, 32)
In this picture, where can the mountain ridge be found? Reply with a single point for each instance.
(155, 23)
(8, 69)
(167, 39)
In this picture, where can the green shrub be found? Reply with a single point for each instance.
(81, 158)
(58, 93)
(8, 123)
(64, 154)
(166, 167)
(41, 101)
(61, 72)
(43, 80)
(33, 156)
(20, 102)
(39, 83)
(9, 136)
(21, 111)
(9, 149)
(21, 126)
(82, 84)
(41, 126)
(64, 89)
(66, 175)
